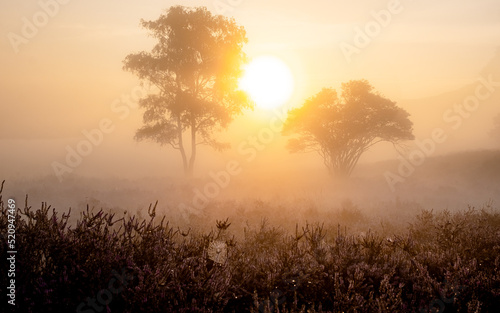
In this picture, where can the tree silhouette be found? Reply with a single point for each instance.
(194, 68)
(342, 129)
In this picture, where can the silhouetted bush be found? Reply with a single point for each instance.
(449, 261)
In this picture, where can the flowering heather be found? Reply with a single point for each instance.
(442, 262)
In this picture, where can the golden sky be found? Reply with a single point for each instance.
(63, 75)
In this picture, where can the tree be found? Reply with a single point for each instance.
(194, 68)
(342, 129)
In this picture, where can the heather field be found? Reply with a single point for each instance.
(337, 261)
(240, 156)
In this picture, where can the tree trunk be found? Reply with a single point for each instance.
(193, 149)
(181, 147)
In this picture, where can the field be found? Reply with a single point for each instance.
(250, 156)
(339, 260)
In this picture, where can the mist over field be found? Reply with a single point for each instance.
(461, 168)
(96, 120)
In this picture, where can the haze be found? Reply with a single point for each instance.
(427, 56)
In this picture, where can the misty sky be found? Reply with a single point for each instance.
(65, 78)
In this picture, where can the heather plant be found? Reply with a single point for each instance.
(442, 262)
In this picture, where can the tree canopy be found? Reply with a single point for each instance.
(342, 128)
(194, 67)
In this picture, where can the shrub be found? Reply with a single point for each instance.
(443, 260)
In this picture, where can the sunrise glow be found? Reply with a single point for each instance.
(269, 82)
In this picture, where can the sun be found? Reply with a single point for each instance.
(268, 81)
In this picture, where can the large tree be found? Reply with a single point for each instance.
(342, 128)
(194, 67)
